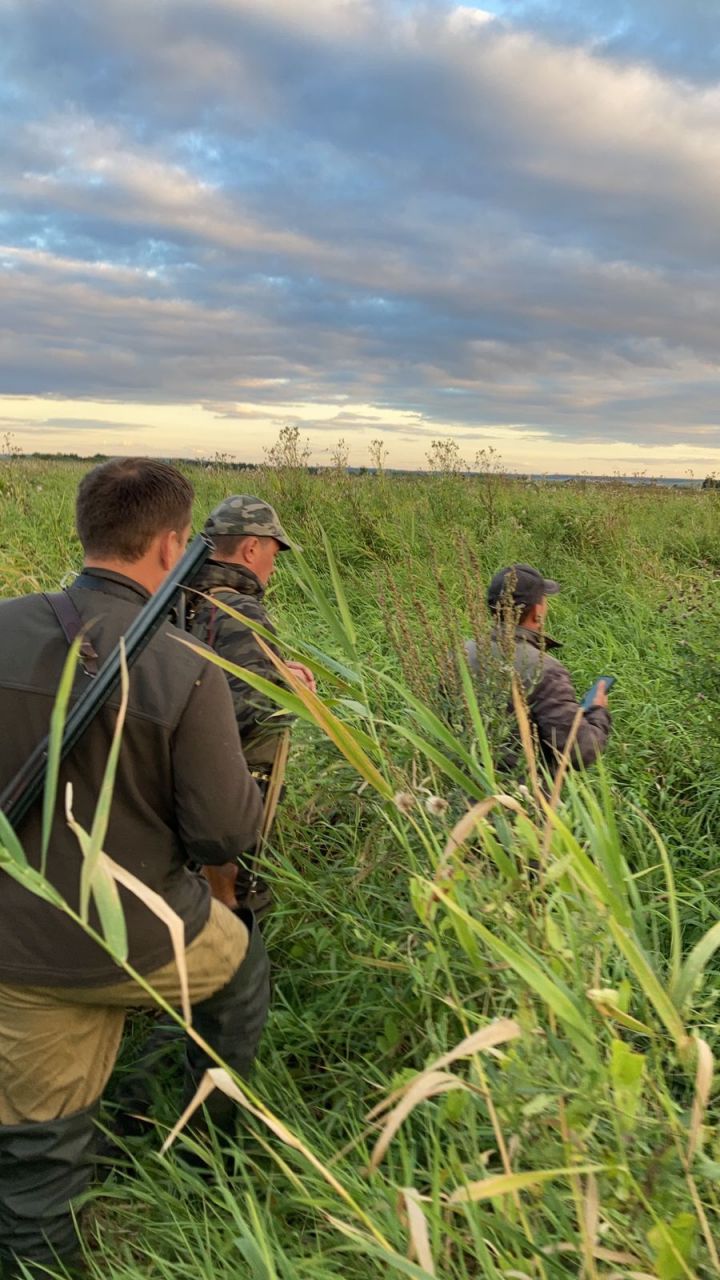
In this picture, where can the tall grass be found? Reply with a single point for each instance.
(490, 1049)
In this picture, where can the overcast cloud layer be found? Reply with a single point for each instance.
(445, 214)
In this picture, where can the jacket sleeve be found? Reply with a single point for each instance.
(217, 803)
(256, 713)
(553, 707)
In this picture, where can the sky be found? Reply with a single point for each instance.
(372, 219)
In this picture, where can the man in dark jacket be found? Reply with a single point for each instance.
(518, 600)
(247, 537)
(183, 795)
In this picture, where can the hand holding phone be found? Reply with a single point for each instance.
(589, 699)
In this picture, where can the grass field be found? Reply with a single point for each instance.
(584, 1141)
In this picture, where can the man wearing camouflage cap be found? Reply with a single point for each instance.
(517, 598)
(248, 537)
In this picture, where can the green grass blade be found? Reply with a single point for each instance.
(57, 725)
(311, 587)
(650, 983)
(502, 1184)
(554, 994)
(318, 662)
(311, 708)
(443, 763)
(107, 901)
(327, 665)
(344, 608)
(477, 721)
(101, 816)
(10, 843)
(29, 878)
(284, 698)
(429, 721)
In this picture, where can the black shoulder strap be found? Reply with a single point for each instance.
(65, 610)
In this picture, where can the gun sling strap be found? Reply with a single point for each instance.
(65, 610)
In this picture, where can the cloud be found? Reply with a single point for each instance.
(91, 424)
(679, 37)
(433, 211)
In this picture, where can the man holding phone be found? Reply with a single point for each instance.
(518, 600)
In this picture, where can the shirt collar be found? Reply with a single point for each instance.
(538, 639)
(113, 584)
(219, 573)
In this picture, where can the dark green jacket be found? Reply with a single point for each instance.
(550, 696)
(258, 717)
(183, 791)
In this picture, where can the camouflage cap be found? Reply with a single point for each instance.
(244, 516)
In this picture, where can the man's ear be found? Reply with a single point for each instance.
(249, 549)
(169, 549)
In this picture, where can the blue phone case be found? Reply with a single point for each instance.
(588, 699)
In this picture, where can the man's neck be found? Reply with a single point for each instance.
(136, 570)
(235, 564)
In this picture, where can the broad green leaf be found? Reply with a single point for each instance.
(253, 1258)
(110, 912)
(586, 871)
(492, 845)
(605, 839)
(363, 737)
(672, 1243)
(627, 1070)
(430, 722)
(331, 665)
(386, 1255)
(607, 1002)
(355, 708)
(277, 692)
(672, 902)
(694, 967)
(707, 1168)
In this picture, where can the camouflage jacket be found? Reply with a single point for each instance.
(259, 719)
(551, 699)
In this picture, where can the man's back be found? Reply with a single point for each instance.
(181, 774)
(549, 694)
(257, 717)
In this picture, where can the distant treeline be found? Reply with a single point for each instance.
(228, 464)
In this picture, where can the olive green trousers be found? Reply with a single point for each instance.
(58, 1045)
(57, 1050)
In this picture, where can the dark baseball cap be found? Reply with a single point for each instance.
(522, 585)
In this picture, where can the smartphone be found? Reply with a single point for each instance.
(587, 701)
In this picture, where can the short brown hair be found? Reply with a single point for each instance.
(226, 545)
(122, 505)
